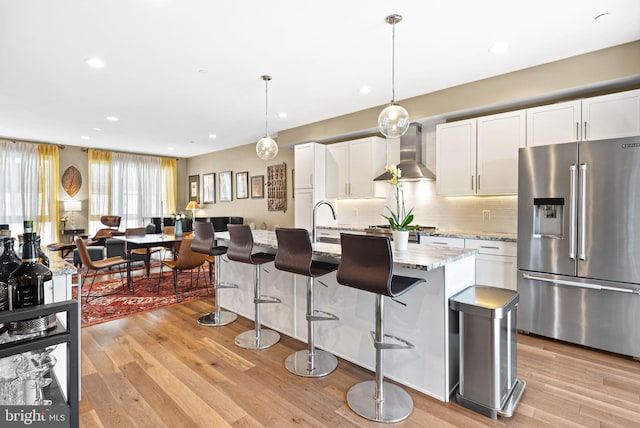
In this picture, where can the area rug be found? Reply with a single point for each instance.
(120, 302)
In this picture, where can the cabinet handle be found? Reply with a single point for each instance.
(472, 182)
(478, 181)
(577, 131)
(489, 247)
(584, 135)
(346, 187)
(311, 179)
(439, 243)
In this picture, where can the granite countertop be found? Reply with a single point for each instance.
(59, 266)
(468, 234)
(489, 236)
(421, 257)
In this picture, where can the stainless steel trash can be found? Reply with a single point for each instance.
(488, 354)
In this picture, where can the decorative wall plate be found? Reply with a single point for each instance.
(71, 181)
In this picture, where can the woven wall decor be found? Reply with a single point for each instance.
(277, 187)
(71, 181)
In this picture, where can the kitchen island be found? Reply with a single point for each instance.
(421, 316)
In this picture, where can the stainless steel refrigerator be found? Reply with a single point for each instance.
(579, 243)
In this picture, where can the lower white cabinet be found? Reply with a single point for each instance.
(496, 262)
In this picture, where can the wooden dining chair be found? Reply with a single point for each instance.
(97, 266)
(187, 260)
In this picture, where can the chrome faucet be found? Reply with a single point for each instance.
(315, 210)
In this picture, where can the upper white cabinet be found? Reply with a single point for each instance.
(597, 118)
(554, 124)
(352, 166)
(480, 156)
(611, 116)
(310, 167)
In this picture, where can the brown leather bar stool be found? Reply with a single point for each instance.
(367, 264)
(294, 255)
(240, 248)
(203, 243)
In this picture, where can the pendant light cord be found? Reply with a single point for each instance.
(266, 79)
(393, 64)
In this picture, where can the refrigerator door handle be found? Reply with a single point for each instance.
(579, 284)
(572, 212)
(583, 211)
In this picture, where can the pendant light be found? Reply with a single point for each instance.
(266, 148)
(394, 119)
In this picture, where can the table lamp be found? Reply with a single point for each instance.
(72, 206)
(193, 206)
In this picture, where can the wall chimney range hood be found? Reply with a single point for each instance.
(410, 156)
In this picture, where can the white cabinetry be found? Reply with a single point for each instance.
(310, 166)
(480, 156)
(611, 116)
(554, 124)
(496, 262)
(606, 116)
(352, 166)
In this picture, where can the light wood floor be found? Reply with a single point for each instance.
(162, 369)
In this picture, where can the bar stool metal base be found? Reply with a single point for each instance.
(298, 363)
(249, 339)
(396, 407)
(223, 318)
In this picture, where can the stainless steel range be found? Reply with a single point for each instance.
(385, 230)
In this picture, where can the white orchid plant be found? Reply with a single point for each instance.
(178, 216)
(400, 219)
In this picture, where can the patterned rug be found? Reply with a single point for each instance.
(120, 302)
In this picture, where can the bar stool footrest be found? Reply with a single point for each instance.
(267, 299)
(400, 343)
(227, 285)
(327, 316)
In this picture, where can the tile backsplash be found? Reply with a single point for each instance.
(469, 213)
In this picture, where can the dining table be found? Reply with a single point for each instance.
(147, 241)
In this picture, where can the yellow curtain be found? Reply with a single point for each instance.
(48, 177)
(170, 185)
(99, 187)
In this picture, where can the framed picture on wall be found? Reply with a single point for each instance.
(242, 185)
(257, 186)
(194, 188)
(209, 188)
(225, 186)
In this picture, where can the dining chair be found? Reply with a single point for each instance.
(187, 260)
(97, 266)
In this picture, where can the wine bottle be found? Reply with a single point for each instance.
(26, 286)
(9, 263)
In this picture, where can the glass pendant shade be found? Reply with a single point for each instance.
(266, 148)
(393, 121)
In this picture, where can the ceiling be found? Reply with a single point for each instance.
(179, 70)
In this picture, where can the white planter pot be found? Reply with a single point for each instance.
(400, 240)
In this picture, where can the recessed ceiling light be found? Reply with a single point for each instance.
(203, 71)
(112, 119)
(213, 136)
(97, 129)
(171, 148)
(95, 62)
(499, 47)
(192, 142)
(282, 115)
(601, 15)
(365, 89)
(84, 137)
